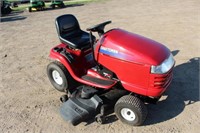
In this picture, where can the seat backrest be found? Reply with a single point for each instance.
(67, 25)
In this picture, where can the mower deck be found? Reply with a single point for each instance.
(86, 74)
(86, 103)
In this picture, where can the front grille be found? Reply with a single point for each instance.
(162, 80)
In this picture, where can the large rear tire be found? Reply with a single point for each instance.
(8, 10)
(53, 6)
(131, 110)
(30, 9)
(59, 77)
(62, 5)
(43, 4)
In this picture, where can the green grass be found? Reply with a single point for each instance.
(72, 2)
(22, 7)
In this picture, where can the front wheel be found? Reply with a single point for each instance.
(131, 110)
(59, 77)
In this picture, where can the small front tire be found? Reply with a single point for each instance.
(131, 110)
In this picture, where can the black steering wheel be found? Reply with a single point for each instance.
(98, 28)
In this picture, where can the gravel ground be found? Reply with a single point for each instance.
(28, 101)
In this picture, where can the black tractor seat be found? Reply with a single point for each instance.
(69, 32)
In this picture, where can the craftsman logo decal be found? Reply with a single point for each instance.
(114, 53)
(109, 50)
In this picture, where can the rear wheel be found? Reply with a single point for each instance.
(59, 77)
(62, 5)
(30, 9)
(8, 10)
(43, 4)
(131, 110)
(53, 6)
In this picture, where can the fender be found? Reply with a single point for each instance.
(59, 57)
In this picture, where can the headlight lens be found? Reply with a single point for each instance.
(164, 67)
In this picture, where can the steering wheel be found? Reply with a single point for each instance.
(99, 27)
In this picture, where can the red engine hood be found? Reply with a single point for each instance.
(132, 47)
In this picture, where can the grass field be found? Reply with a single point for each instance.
(47, 4)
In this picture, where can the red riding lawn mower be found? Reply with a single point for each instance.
(120, 70)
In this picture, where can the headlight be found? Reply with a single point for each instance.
(164, 67)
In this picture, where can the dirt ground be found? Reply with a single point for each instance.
(28, 102)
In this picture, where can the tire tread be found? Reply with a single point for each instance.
(137, 103)
(70, 81)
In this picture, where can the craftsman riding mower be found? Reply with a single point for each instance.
(38, 5)
(57, 3)
(120, 70)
